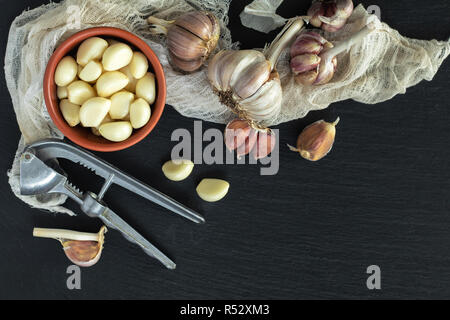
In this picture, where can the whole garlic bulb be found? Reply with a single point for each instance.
(190, 38)
(246, 80)
(313, 58)
(306, 59)
(330, 15)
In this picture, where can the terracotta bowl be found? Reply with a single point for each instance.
(83, 136)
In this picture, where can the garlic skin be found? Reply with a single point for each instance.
(190, 39)
(314, 59)
(330, 15)
(316, 140)
(246, 80)
(83, 249)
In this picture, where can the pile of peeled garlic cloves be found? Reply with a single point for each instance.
(83, 249)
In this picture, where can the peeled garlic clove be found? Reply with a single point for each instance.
(110, 83)
(212, 190)
(264, 145)
(117, 56)
(106, 119)
(316, 140)
(140, 113)
(61, 92)
(91, 72)
(138, 65)
(93, 111)
(190, 39)
(91, 49)
(83, 249)
(70, 112)
(145, 88)
(120, 104)
(66, 71)
(131, 86)
(116, 131)
(177, 170)
(79, 91)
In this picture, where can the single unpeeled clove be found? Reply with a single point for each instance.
(240, 136)
(83, 249)
(190, 39)
(314, 59)
(316, 140)
(330, 15)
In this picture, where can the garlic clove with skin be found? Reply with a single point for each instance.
(83, 249)
(330, 15)
(265, 144)
(190, 39)
(316, 140)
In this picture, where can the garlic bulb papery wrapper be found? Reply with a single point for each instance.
(246, 80)
(330, 15)
(82, 248)
(313, 58)
(190, 39)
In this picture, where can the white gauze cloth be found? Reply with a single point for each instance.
(382, 65)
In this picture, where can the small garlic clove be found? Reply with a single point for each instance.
(93, 111)
(83, 249)
(79, 91)
(111, 82)
(177, 170)
(212, 190)
(146, 88)
(61, 92)
(140, 113)
(316, 140)
(70, 112)
(138, 65)
(304, 62)
(117, 56)
(265, 144)
(116, 131)
(236, 133)
(91, 72)
(91, 49)
(131, 86)
(307, 78)
(66, 71)
(120, 104)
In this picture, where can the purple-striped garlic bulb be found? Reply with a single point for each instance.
(330, 15)
(190, 39)
(314, 59)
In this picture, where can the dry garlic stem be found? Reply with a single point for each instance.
(246, 80)
(190, 39)
(83, 249)
(330, 15)
(313, 58)
(316, 140)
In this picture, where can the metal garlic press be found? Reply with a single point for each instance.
(38, 175)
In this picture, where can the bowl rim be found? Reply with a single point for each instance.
(49, 87)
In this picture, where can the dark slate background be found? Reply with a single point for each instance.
(381, 197)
